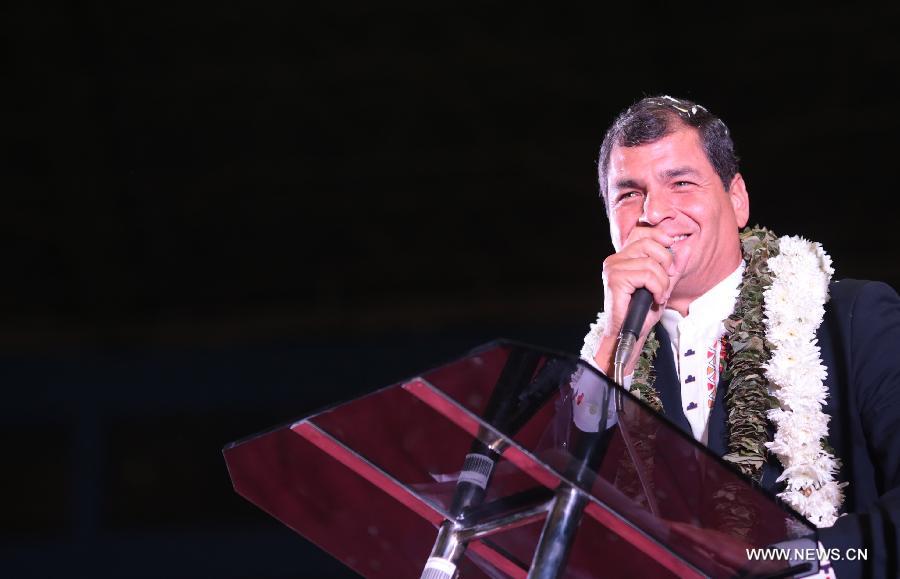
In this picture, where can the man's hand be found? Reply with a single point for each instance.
(644, 261)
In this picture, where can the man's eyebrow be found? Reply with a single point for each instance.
(625, 184)
(679, 172)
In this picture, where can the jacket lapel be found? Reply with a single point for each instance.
(717, 440)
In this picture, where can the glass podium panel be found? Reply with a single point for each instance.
(503, 430)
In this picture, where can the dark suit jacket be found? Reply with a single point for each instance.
(860, 343)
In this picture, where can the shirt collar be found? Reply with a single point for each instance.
(710, 309)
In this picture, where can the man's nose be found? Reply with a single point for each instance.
(657, 207)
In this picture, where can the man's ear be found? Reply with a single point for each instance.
(740, 200)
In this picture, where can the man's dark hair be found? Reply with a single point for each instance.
(653, 118)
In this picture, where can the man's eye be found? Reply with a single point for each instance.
(627, 195)
(683, 183)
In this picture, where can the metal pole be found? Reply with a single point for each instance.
(558, 534)
(445, 554)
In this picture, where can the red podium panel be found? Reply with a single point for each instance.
(371, 480)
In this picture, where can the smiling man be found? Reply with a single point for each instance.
(744, 321)
(673, 222)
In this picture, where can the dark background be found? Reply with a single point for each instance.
(219, 217)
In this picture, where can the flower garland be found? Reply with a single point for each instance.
(795, 305)
(774, 369)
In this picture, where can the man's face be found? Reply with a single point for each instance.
(671, 186)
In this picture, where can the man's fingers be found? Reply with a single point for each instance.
(627, 275)
(648, 234)
(652, 248)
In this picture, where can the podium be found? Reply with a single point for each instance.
(514, 461)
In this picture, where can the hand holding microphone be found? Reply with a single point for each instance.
(638, 281)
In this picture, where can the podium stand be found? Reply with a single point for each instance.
(512, 461)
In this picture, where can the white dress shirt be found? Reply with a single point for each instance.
(697, 344)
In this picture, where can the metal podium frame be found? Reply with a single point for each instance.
(332, 475)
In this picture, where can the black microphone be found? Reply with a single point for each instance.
(519, 394)
(641, 300)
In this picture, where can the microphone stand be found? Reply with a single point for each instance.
(515, 399)
(565, 514)
(568, 506)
